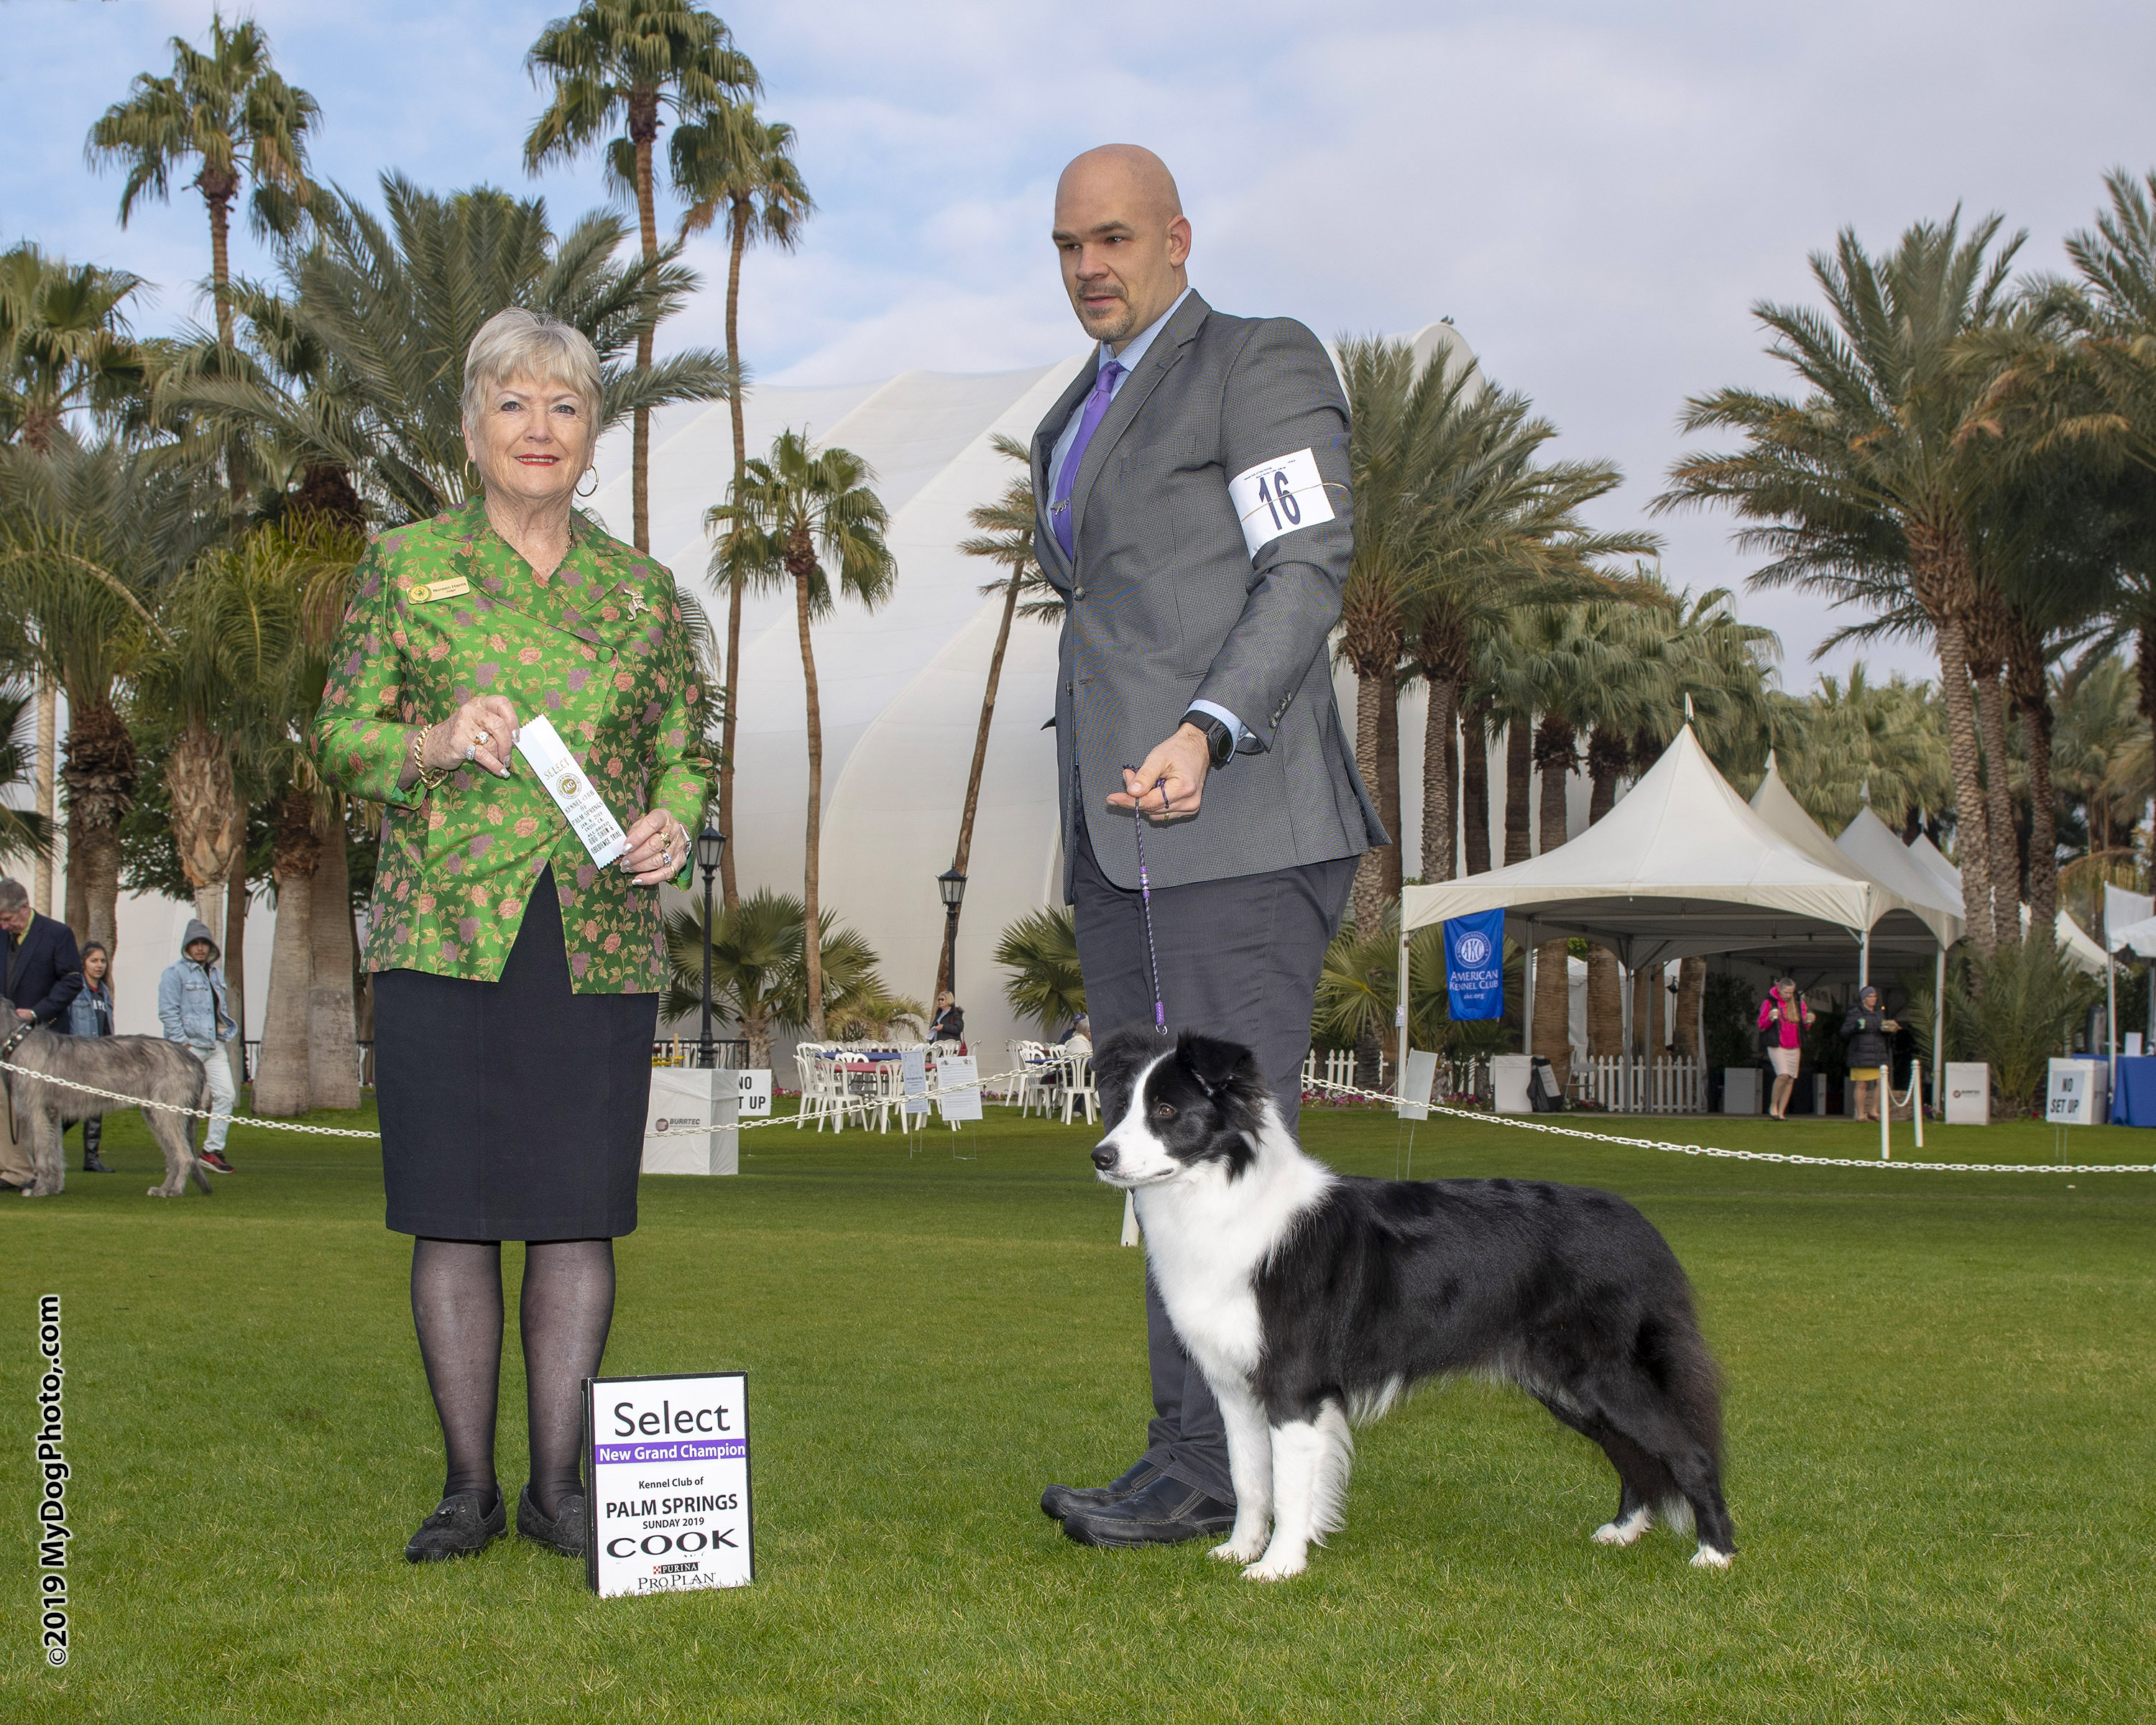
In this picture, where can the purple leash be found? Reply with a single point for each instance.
(1145, 902)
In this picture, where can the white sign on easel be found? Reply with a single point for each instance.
(754, 1091)
(959, 1077)
(913, 1071)
(2075, 1095)
(669, 1507)
(1421, 1080)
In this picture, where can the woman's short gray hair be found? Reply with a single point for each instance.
(517, 343)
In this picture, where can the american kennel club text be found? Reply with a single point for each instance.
(670, 1483)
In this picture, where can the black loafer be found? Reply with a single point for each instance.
(562, 1532)
(1060, 1503)
(94, 1164)
(462, 1526)
(1166, 1513)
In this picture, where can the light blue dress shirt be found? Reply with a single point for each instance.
(1133, 352)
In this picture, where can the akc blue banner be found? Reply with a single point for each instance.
(1474, 965)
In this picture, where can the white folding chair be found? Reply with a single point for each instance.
(1078, 1089)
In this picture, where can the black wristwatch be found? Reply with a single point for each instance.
(1219, 740)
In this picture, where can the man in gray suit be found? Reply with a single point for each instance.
(1194, 512)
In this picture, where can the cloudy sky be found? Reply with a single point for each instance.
(1595, 193)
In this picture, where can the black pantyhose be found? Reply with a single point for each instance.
(566, 1308)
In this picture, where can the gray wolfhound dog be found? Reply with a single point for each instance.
(133, 1066)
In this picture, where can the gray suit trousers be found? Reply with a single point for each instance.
(1238, 958)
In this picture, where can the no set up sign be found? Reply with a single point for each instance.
(670, 1497)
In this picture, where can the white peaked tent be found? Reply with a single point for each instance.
(1911, 924)
(1682, 866)
(2082, 953)
(1870, 843)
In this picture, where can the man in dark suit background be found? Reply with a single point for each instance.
(1193, 511)
(42, 974)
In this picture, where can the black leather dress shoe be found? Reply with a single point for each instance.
(461, 1526)
(1166, 1513)
(93, 1163)
(1060, 1502)
(562, 1532)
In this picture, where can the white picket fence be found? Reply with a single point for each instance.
(1666, 1085)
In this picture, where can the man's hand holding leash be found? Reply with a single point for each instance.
(1171, 781)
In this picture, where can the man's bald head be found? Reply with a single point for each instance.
(1123, 239)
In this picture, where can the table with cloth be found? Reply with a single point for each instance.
(2133, 1097)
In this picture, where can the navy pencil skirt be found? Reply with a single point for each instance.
(512, 1109)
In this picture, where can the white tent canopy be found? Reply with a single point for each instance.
(1870, 843)
(2083, 953)
(1913, 925)
(1681, 867)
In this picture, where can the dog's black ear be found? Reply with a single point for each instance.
(1219, 1065)
(1117, 1063)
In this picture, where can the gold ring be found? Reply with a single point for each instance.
(481, 736)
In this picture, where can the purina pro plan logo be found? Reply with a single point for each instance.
(669, 1508)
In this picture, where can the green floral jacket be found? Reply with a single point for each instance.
(445, 609)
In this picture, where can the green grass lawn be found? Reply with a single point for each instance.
(1939, 1417)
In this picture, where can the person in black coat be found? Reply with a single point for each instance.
(1867, 1027)
(42, 974)
(950, 1025)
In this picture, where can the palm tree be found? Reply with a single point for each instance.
(23, 832)
(625, 62)
(2103, 762)
(758, 975)
(88, 536)
(298, 579)
(1046, 985)
(1006, 538)
(1854, 743)
(230, 109)
(358, 364)
(65, 346)
(64, 343)
(732, 159)
(1869, 480)
(799, 510)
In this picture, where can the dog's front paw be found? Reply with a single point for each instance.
(1276, 1569)
(1239, 1551)
(1707, 1558)
(1624, 1531)
(163, 1192)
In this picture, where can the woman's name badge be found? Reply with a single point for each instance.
(449, 587)
(573, 792)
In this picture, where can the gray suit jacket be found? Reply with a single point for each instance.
(1166, 604)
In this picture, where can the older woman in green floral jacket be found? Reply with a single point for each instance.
(516, 976)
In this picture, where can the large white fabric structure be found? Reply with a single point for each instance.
(1916, 922)
(901, 690)
(1681, 866)
(2084, 954)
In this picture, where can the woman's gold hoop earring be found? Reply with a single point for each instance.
(591, 473)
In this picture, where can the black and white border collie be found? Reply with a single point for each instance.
(1310, 1298)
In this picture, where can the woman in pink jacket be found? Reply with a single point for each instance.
(1783, 1017)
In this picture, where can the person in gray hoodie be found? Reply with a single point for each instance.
(191, 1007)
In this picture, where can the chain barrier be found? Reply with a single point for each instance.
(1573, 1132)
(933, 1092)
(1476, 1115)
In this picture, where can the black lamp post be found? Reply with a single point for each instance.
(710, 845)
(950, 888)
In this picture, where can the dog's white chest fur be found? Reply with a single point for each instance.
(1207, 1237)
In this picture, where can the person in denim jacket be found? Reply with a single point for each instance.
(191, 1007)
(89, 1013)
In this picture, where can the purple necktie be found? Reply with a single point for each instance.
(1097, 404)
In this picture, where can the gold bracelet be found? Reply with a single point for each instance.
(431, 780)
